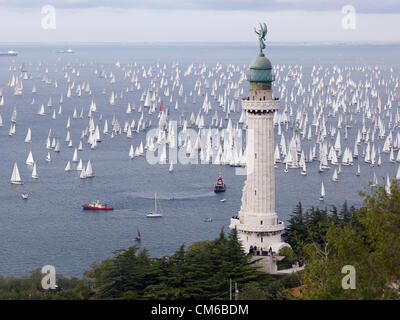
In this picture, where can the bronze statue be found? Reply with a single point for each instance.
(261, 36)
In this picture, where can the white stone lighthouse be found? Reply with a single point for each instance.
(257, 223)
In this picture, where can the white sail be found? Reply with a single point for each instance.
(41, 110)
(83, 173)
(112, 98)
(28, 136)
(398, 173)
(57, 147)
(89, 170)
(15, 177)
(80, 165)
(335, 176)
(34, 172)
(105, 130)
(388, 186)
(29, 161)
(322, 190)
(75, 157)
(68, 166)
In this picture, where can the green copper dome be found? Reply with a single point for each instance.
(261, 63)
(260, 70)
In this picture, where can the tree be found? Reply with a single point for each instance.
(371, 245)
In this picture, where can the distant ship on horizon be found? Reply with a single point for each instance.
(9, 53)
(66, 51)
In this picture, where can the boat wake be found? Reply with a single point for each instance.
(172, 196)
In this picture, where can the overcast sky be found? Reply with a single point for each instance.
(198, 20)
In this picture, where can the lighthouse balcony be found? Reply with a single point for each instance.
(235, 223)
(261, 105)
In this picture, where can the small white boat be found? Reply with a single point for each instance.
(222, 200)
(155, 214)
(24, 196)
(207, 220)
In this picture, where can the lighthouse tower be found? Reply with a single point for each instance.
(257, 223)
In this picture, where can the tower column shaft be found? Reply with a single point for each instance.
(261, 174)
(257, 223)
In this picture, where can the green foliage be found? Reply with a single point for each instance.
(369, 240)
(203, 271)
(311, 226)
(29, 288)
(289, 260)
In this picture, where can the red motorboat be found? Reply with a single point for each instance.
(96, 205)
(220, 185)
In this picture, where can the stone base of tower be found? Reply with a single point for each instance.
(262, 242)
(267, 264)
(263, 237)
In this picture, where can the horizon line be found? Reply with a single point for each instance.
(320, 42)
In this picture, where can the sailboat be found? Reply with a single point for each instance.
(68, 167)
(388, 186)
(155, 214)
(79, 166)
(321, 198)
(75, 157)
(137, 238)
(15, 177)
(89, 171)
(375, 181)
(171, 167)
(358, 170)
(286, 170)
(29, 161)
(335, 177)
(28, 138)
(304, 170)
(83, 173)
(34, 172)
(57, 147)
(41, 110)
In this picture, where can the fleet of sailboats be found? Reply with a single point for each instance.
(325, 124)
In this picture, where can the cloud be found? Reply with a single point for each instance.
(362, 6)
(143, 25)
